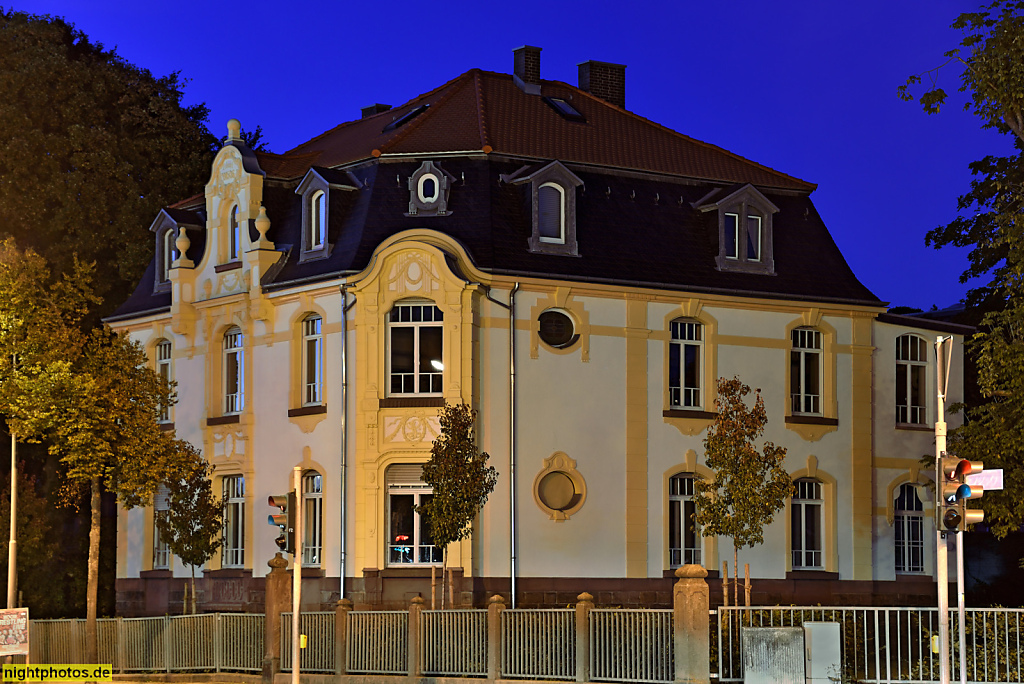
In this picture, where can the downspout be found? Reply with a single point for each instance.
(344, 432)
(512, 437)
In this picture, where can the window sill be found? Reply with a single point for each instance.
(811, 574)
(307, 410)
(811, 420)
(167, 427)
(689, 413)
(230, 266)
(912, 427)
(412, 402)
(223, 420)
(314, 255)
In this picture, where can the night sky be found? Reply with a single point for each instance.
(807, 87)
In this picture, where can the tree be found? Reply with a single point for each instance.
(192, 525)
(39, 545)
(750, 486)
(88, 159)
(460, 477)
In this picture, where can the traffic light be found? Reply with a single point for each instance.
(285, 520)
(953, 490)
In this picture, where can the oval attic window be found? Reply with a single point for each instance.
(557, 491)
(428, 188)
(557, 329)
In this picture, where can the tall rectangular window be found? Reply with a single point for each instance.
(753, 237)
(312, 518)
(233, 550)
(313, 360)
(163, 369)
(909, 524)
(234, 236)
(317, 221)
(161, 554)
(409, 538)
(732, 236)
(234, 372)
(683, 535)
(805, 371)
(685, 364)
(416, 346)
(911, 379)
(806, 525)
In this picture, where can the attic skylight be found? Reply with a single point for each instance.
(405, 118)
(564, 108)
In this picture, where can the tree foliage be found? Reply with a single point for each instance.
(39, 545)
(192, 525)
(459, 474)
(91, 147)
(750, 486)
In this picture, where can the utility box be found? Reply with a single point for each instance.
(823, 652)
(773, 655)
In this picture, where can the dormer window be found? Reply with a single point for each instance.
(551, 219)
(744, 229)
(317, 235)
(429, 188)
(315, 189)
(553, 196)
(169, 254)
(169, 225)
(234, 236)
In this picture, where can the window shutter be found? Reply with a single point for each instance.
(162, 498)
(405, 475)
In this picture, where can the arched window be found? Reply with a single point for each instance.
(551, 213)
(317, 221)
(163, 369)
(909, 524)
(416, 345)
(234, 236)
(683, 535)
(686, 365)
(169, 254)
(805, 372)
(911, 379)
(312, 360)
(312, 518)
(234, 371)
(807, 522)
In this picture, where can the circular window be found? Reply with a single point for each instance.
(556, 491)
(557, 329)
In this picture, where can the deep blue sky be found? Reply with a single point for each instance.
(805, 87)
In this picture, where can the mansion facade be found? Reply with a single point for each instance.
(579, 275)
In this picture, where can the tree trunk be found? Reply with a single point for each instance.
(92, 587)
(184, 600)
(736, 573)
(193, 589)
(444, 567)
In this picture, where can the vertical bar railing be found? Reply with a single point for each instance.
(318, 656)
(630, 645)
(377, 642)
(453, 643)
(241, 641)
(538, 644)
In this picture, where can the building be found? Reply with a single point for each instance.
(581, 276)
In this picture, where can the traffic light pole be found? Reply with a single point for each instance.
(961, 632)
(296, 573)
(941, 547)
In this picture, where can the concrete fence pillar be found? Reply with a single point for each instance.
(690, 605)
(494, 607)
(415, 609)
(584, 604)
(341, 610)
(278, 597)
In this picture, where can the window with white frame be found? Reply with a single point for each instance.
(806, 534)
(911, 379)
(551, 213)
(683, 535)
(686, 365)
(317, 236)
(163, 369)
(169, 253)
(805, 372)
(312, 360)
(234, 371)
(415, 343)
(409, 539)
(234, 236)
(161, 553)
(312, 518)
(233, 554)
(743, 241)
(908, 520)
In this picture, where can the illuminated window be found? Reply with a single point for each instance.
(409, 539)
(415, 338)
(234, 372)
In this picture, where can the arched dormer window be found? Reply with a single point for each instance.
(553, 196)
(551, 210)
(317, 234)
(320, 197)
(744, 229)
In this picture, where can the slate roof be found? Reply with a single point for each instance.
(632, 229)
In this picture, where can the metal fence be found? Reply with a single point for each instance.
(631, 645)
(318, 656)
(888, 645)
(378, 642)
(453, 643)
(538, 644)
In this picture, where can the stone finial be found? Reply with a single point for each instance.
(585, 598)
(497, 598)
(417, 600)
(182, 243)
(691, 571)
(344, 604)
(262, 226)
(277, 562)
(234, 130)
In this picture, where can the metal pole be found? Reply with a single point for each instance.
(512, 439)
(296, 573)
(941, 548)
(12, 558)
(961, 622)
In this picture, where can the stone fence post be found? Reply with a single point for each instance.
(690, 605)
(341, 636)
(415, 608)
(277, 596)
(494, 608)
(584, 604)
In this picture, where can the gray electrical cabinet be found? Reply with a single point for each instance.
(773, 655)
(822, 650)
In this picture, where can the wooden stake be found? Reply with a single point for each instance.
(433, 587)
(725, 583)
(746, 582)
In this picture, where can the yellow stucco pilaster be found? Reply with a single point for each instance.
(636, 435)
(860, 446)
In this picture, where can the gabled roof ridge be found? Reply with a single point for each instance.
(811, 186)
(416, 123)
(188, 200)
(480, 109)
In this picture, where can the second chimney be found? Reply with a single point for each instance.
(376, 108)
(604, 80)
(527, 66)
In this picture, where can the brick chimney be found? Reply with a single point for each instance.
(527, 69)
(604, 80)
(376, 108)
